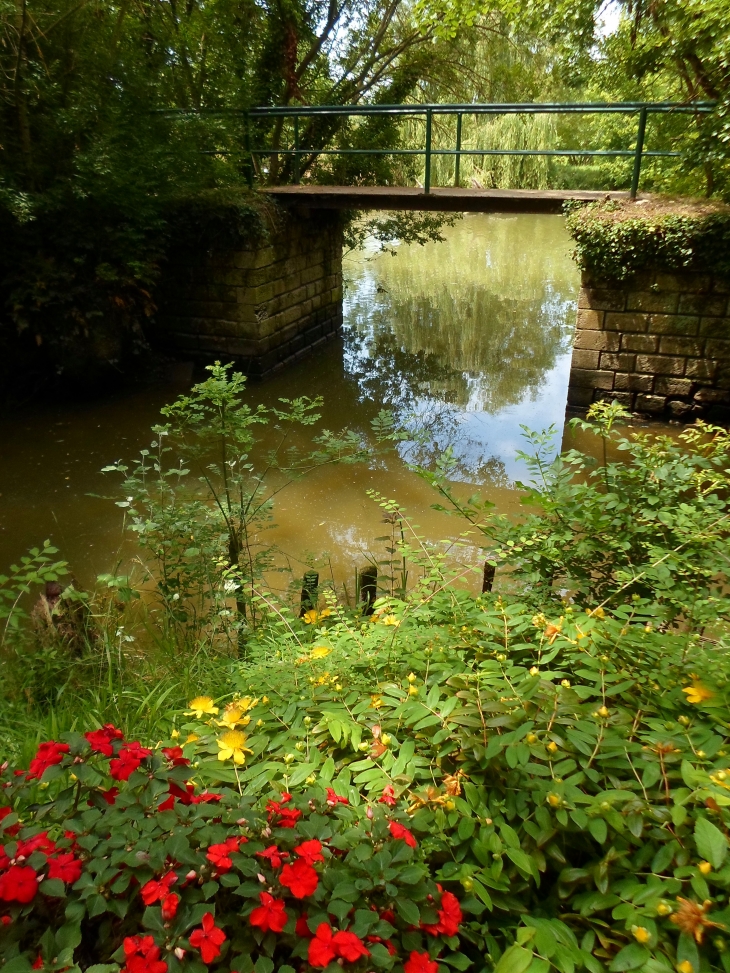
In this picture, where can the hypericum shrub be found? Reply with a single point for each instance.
(113, 858)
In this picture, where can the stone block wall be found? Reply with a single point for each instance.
(658, 343)
(261, 305)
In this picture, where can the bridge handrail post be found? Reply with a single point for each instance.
(457, 163)
(296, 150)
(247, 145)
(639, 152)
(427, 173)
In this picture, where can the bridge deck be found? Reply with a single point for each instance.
(449, 199)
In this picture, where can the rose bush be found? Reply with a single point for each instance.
(113, 859)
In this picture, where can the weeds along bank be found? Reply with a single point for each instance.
(533, 779)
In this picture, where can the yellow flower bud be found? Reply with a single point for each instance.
(299, 745)
(288, 758)
(311, 779)
(552, 746)
(685, 967)
(467, 884)
(534, 671)
(411, 677)
(604, 712)
(531, 738)
(174, 734)
(450, 806)
(565, 683)
(385, 739)
(413, 690)
(664, 909)
(705, 868)
(338, 687)
(554, 800)
(641, 934)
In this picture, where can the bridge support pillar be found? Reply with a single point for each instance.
(263, 304)
(659, 343)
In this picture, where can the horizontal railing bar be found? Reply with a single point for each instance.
(471, 108)
(460, 152)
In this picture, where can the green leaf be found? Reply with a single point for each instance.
(515, 960)
(53, 887)
(263, 965)
(711, 842)
(631, 957)
(599, 829)
(409, 911)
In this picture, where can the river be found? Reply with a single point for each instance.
(469, 339)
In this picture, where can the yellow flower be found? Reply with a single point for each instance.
(232, 746)
(233, 715)
(320, 652)
(554, 800)
(697, 693)
(313, 616)
(641, 934)
(604, 712)
(389, 620)
(413, 690)
(532, 738)
(552, 746)
(685, 967)
(192, 737)
(705, 867)
(200, 706)
(376, 702)
(174, 734)
(534, 671)
(412, 677)
(663, 909)
(600, 613)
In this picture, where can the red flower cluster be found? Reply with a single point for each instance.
(208, 939)
(19, 881)
(175, 756)
(157, 889)
(169, 906)
(142, 956)
(101, 740)
(187, 796)
(327, 945)
(334, 799)
(218, 854)
(47, 755)
(270, 916)
(280, 816)
(450, 916)
(400, 831)
(130, 757)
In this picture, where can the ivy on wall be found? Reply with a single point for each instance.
(615, 240)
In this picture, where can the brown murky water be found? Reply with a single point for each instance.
(469, 338)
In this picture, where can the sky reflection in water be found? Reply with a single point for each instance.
(470, 337)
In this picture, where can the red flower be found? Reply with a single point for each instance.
(218, 854)
(349, 946)
(420, 963)
(37, 963)
(39, 842)
(143, 956)
(110, 796)
(310, 851)
(388, 916)
(101, 740)
(270, 916)
(321, 952)
(5, 920)
(274, 855)
(130, 757)
(302, 927)
(399, 831)
(47, 755)
(334, 799)
(66, 867)
(208, 939)
(19, 884)
(157, 889)
(205, 798)
(175, 756)
(450, 914)
(300, 878)
(169, 906)
(388, 796)
(289, 817)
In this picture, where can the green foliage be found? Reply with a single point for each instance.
(150, 857)
(36, 568)
(614, 242)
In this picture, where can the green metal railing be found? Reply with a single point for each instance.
(295, 114)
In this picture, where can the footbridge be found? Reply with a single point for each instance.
(269, 303)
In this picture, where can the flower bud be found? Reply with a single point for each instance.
(369, 813)
(180, 953)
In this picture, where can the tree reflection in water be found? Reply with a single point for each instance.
(460, 338)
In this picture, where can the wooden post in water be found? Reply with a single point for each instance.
(310, 581)
(488, 577)
(368, 588)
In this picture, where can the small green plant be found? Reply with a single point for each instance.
(202, 496)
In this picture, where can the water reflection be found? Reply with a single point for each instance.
(466, 339)
(469, 337)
